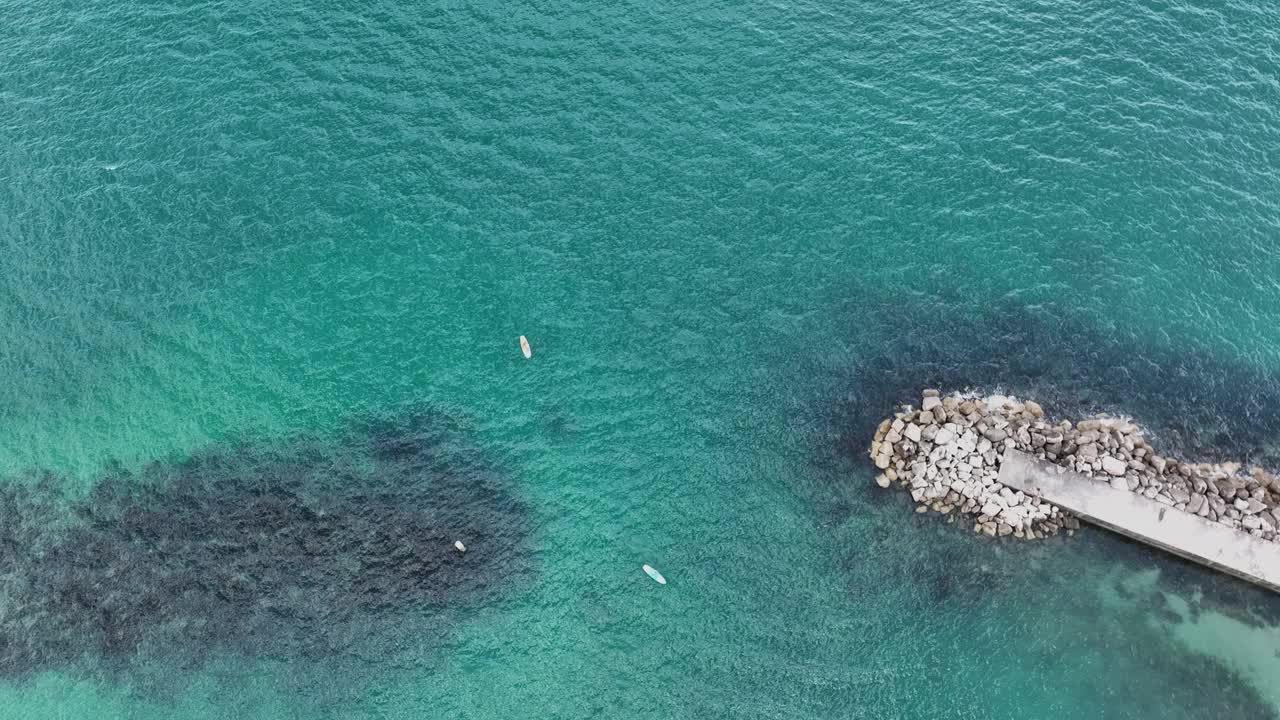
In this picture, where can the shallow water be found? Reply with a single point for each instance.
(734, 236)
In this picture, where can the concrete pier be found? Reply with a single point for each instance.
(1194, 538)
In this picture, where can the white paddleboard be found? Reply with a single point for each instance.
(524, 348)
(655, 575)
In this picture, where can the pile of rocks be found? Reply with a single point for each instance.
(947, 455)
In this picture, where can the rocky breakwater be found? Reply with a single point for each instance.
(947, 455)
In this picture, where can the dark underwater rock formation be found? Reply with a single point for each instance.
(1197, 401)
(291, 550)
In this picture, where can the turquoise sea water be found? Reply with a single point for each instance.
(298, 242)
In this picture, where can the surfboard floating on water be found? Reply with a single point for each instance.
(655, 575)
(524, 348)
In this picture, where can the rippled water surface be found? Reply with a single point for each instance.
(263, 267)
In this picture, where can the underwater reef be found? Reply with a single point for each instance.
(1196, 402)
(290, 550)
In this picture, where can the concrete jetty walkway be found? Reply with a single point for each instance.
(1194, 538)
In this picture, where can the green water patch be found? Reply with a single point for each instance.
(318, 550)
